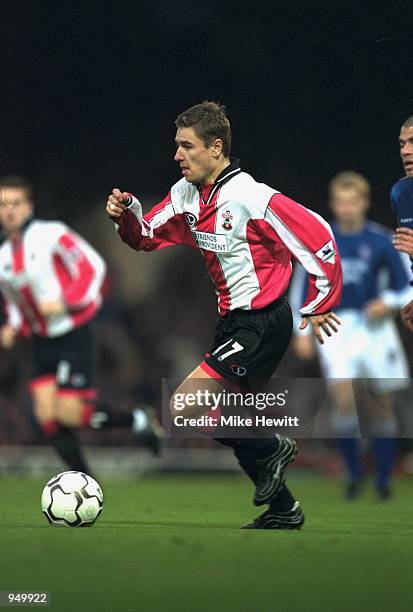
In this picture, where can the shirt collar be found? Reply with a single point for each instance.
(228, 172)
(231, 170)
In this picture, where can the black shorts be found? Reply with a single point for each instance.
(69, 360)
(249, 344)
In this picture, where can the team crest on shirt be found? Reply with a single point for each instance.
(190, 219)
(227, 217)
(327, 253)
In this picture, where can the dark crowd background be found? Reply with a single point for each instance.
(89, 93)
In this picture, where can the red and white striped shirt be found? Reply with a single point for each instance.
(49, 261)
(247, 233)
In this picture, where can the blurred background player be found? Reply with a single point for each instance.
(247, 233)
(375, 285)
(51, 282)
(402, 201)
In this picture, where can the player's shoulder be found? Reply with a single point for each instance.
(405, 182)
(246, 190)
(401, 189)
(46, 230)
(378, 232)
(246, 181)
(183, 188)
(42, 225)
(182, 192)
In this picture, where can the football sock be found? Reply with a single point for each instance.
(350, 451)
(346, 427)
(253, 448)
(247, 462)
(384, 452)
(284, 500)
(259, 447)
(66, 444)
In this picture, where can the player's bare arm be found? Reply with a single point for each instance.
(328, 323)
(115, 204)
(403, 240)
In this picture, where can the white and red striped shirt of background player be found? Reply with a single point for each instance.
(248, 234)
(47, 262)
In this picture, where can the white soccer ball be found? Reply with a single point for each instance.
(72, 499)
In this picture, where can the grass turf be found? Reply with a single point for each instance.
(172, 543)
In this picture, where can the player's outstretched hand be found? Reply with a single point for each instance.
(116, 202)
(406, 314)
(403, 240)
(328, 322)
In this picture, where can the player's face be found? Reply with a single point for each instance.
(197, 161)
(406, 149)
(349, 206)
(15, 208)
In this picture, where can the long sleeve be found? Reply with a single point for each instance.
(65, 267)
(51, 262)
(398, 292)
(162, 227)
(310, 239)
(79, 270)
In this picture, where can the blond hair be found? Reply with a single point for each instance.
(350, 180)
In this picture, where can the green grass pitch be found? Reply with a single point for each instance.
(171, 543)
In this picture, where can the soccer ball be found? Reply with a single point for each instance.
(72, 499)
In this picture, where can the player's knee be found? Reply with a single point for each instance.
(44, 402)
(195, 396)
(44, 412)
(69, 410)
(178, 405)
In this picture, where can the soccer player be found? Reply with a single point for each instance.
(51, 281)
(375, 285)
(402, 202)
(247, 233)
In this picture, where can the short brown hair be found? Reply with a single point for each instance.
(209, 121)
(350, 180)
(17, 182)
